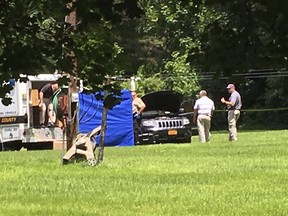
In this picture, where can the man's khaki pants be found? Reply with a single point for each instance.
(233, 116)
(204, 124)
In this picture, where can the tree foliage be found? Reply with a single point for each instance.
(169, 22)
(97, 37)
(223, 36)
(247, 35)
(36, 39)
(31, 36)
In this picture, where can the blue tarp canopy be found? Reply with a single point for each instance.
(119, 119)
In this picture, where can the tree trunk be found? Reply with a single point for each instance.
(102, 136)
(71, 129)
(103, 127)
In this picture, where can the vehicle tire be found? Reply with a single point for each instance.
(91, 162)
(187, 140)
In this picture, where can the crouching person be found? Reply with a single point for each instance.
(45, 104)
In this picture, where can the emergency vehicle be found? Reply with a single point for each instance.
(19, 121)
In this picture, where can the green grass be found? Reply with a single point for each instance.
(249, 177)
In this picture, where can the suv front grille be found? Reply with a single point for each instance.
(170, 124)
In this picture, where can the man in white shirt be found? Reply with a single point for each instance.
(203, 111)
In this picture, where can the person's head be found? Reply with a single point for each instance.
(230, 88)
(202, 93)
(54, 87)
(133, 94)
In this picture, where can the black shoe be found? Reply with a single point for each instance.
(42, 125)
(64, 161)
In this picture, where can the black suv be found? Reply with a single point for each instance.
(162, 120)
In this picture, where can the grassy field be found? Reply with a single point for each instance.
(248, 177)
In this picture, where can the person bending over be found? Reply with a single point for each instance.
(46, 94)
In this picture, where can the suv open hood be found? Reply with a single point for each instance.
(163, 100)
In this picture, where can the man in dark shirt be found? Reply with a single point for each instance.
(46, 96)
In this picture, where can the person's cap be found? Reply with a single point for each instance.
(230, 86)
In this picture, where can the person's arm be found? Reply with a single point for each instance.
(212, 110)
(142, 107)
(41, 99)
(195, 111)
(229, 103)
(195, 114)
(43, 90)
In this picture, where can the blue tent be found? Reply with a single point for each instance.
(119, 119)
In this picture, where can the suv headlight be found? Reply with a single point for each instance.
(186, 121)
(148, 123)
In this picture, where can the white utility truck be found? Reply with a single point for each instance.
(19, 121)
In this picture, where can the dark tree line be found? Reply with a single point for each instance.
(169, 44)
